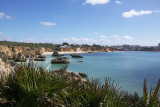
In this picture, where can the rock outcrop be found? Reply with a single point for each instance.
(6, 67)
(76, 56)
(12, 52)
(72, 76)
(19, 57)
(87, 49)
(40, 58)
(60, 60)
(83, 75)
(55, 53)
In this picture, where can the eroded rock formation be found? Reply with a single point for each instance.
(13, 52)
(6, 67)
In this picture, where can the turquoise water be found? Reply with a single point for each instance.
(128, 69)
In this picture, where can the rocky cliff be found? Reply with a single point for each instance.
(88, 49)
(6, 67)
(21, 53)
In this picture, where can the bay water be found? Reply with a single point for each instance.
(127, 69)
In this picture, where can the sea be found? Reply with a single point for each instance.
(126, 69)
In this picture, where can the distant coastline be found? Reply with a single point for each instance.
(78, 52)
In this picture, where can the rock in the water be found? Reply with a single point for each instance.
(55, 53)
(76, 56)
(60, 60)
(82, 74)
(41, 56)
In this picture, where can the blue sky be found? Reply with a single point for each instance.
(105, 22)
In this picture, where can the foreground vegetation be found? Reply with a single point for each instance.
(36, 87)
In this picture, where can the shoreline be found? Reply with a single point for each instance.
(79, 52)
(49, 53)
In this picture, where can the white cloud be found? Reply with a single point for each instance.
(102, 37)
(32, 40)
(4, 37)
(132, 13)
(48, 23)
(117, 2)
(128, 37)
(84, 40)
(102, 40)
(115, 36)
(95, 33)
(95, 2)
(109, 40)
(4, 16)
(78, 40)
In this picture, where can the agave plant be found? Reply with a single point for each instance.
(153, 99)
(97, 94)
(147, 100)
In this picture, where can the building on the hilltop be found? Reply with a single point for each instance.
(65, 46)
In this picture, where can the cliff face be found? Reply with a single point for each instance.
(88, 49)
(6, 67)
(68, 50)
(12, 52)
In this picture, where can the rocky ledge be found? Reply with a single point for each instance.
(76, 56)
(6, 67)
(55, 53)
(60, 60)
(73, 76)
(20, 53)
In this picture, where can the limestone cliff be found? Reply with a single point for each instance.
(14, 51)
(6, 67)
(88, 49)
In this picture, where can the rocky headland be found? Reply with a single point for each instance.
(10, 66)
(20, 53)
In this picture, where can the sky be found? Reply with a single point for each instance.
(104, 22)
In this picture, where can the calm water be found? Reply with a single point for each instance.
(128, 69)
